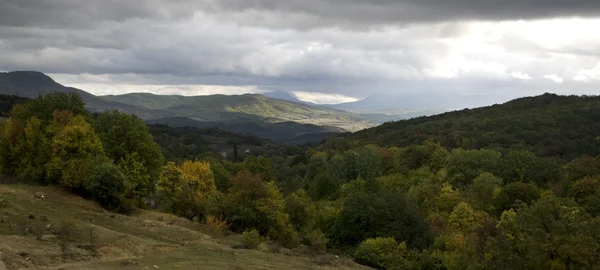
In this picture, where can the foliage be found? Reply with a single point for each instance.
(251, 239)
(515, 194)
(217, 225)
(385, 253)
(548, 125)
(383, 214)
(107, 186)
(318, 240)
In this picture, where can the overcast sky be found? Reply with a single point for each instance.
(322, 50)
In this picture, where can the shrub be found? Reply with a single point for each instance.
(93, 235)
(67, 231)
(318, 241)
(217, 225)
(381, 252)
(39, 227)
(251, 239)
(23, 225)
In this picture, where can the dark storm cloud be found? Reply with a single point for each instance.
(346, 47)
(286, 13)
(365, 13)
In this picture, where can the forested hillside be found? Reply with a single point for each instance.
(548, 125)
(416, 194)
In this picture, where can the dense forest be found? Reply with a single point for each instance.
(547, 125)
(512, 186)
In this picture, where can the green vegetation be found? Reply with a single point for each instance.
(547, 125)
(428, 204)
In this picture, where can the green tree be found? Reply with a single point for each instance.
(383, 214)
(126, 140)
(251, 203)
(169, 184)
(301, 211)
(463, 218)
(368, 162)
(260, 166)
(515, 194)
(465, 165)
(106, 185)
(483, 190)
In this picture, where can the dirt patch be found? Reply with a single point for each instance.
(164, 248)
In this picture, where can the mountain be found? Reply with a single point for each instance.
(247, 107)
(383, 108)
(548, 125)
(276, 119)
(286, 96)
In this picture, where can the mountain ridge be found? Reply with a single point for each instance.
(232, 110)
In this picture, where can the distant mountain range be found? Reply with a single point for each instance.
(286, 96)
(274, 118)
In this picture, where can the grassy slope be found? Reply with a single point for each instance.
(141, 241)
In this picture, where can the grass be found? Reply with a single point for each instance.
(141, 241)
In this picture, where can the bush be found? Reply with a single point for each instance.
(93, 235)
(67, 231)
(39, 227)
(382, 252)
(318, 241)
(217, 225)
(251, 239)
(376, 252)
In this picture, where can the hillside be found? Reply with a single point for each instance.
(261, 115)
(548, 125)
(246, 107)
(282, 132)
(143, 240)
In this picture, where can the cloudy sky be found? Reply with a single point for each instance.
(321, 50)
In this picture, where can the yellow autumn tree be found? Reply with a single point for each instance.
(73, 148)
(197, 189)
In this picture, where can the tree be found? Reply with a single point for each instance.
(197, 188)
(368, 162)
(463, 218)
(465, 165)
(586, 193)
(483, 190)
(552, 233)
(169, 184)
(301, 211)
(260, 166)
(317, 164)
(106, 185)
(76, 140)
(221, 174)
(383, 214)
(126, 140)
(515, 194)
(251, 203)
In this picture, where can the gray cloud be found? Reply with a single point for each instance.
(348, 47)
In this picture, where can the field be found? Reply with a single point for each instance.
(144, 240)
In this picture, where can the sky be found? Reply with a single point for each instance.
(323, 51)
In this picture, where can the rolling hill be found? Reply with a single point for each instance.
(275, 119)
(548, 125)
